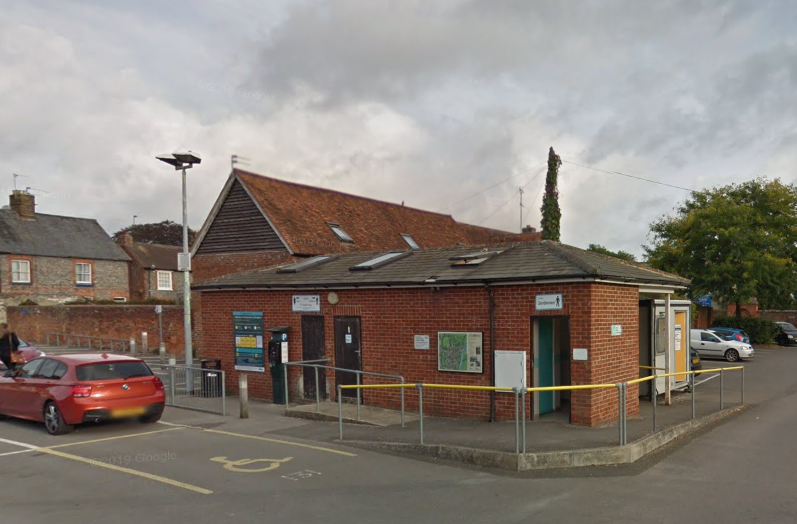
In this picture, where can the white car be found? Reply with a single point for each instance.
(709, 344)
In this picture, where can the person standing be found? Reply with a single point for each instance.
(9, 343)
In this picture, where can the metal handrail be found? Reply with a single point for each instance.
(125, 344)
(314, 364)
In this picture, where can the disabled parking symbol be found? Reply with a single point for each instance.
(240, 466)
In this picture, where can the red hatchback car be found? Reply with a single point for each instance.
(66, 390)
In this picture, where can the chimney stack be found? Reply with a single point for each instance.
(24, 204)
(528, 229)
(126, 239)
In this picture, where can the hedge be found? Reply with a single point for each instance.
(761, 331)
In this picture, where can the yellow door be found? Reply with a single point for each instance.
(681, 351)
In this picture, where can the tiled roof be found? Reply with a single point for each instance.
(302, 214)
(527, 261)
(56, 236)
(154, 256)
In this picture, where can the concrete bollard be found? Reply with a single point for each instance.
(132, 346)
(243, 395)
(162, 352)
(144, 343)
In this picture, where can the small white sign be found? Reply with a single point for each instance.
(307, 303)
(678, 337)
(421, 341)
(284, 348)
(617, 330)
(183, 261)
(580, 354)
(348, 338)
(549, 302)
(158, 309)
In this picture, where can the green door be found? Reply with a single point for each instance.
(545, 363)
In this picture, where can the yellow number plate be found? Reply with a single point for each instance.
(127, 412)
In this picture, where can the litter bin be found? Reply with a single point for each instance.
(211, 378)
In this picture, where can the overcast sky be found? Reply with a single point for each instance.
(426, 102)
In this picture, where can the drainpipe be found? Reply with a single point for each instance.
(492, 351)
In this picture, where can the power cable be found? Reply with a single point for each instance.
(494, 186)
(630, 176)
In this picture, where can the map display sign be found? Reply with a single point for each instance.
(460, 352)
(249, 349)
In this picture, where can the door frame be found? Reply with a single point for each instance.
(308, 373)
(533, 338)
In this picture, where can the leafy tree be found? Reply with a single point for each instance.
(551, 214)
(166, 232)
(622, 255)
(735, 242)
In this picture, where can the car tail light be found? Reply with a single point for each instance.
(81, 391)
(158, 383)
(739, 337)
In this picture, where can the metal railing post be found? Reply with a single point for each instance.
(722, 382)
(285, 384)
(402, 402)
(655, 395)
(172, 363)
(317, 393)
(620, 410)
(517, 422)
(358, 396)
(223, 394)
(420, 408)
(523, 419)
(694, 387)
(742, 385)
(340, 413)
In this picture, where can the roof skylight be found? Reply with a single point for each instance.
(410, 241)
(304, 264)
(473, 259)
(342, 235)
(379, 261)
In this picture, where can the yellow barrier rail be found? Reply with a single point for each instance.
(651, 367)
(378, 386)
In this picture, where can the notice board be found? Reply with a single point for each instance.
(460, 351)
(248, 333)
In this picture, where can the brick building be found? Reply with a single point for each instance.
(405, 312)
(50, 259)
(153, 270)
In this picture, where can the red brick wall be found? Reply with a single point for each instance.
(34, 323)
(204, 267)
(773, 315)
(391, 317)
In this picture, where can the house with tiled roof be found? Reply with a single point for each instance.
(153, 270)
(50, 259)
(259, 221)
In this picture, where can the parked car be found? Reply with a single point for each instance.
(67, 390)
(732, 334)
(787, 335)
(696, 364)
(29, 352)
(709, 344)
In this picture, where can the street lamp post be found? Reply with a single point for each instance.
(181, 162)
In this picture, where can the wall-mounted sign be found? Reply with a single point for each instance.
(704, 301)
(459, 352)
(306, 303)
(549, 302)
(248, 333)
(421, 341)
(348, 338)
(678, 337)
(580, 354)
(617, 330)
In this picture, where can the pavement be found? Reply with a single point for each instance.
(197, 467)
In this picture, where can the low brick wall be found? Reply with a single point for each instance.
(779, 315)
(34, 323)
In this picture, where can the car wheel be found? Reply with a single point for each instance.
(53, 421)
(150, 419)
(731, 355)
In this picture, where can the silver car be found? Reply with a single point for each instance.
(709, 344)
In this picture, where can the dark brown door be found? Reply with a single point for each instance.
(313, 349)
(348, 352)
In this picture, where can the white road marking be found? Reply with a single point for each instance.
(30, 447)
(15, 452)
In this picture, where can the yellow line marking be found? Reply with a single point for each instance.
(234, 465)
(278, 441)
(106, 439)
(129, 471)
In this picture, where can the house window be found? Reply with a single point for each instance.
(83, 274)
(410, 241)
(164, 280)
(20, 271)
(342, 235)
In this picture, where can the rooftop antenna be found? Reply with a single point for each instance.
(134, 219)
(29, 189)
(235, 160)
(16, 176)
(520, 190)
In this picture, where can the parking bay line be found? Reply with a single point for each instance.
(265, 439)
(113, 467)
(106, 439)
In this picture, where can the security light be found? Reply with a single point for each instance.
(170, 159)
(188, 157)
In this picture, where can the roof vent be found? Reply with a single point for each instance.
(473, 259)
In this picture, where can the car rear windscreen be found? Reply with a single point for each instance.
(112, 370)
